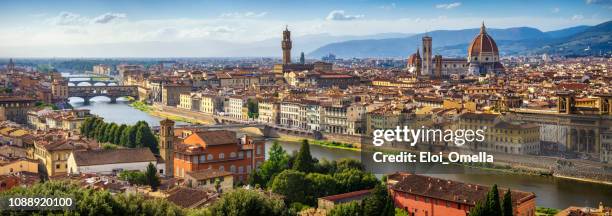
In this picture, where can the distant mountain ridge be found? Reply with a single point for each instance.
(519, 40)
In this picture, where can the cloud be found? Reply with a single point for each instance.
(449, 5)
(67, 19)
(108, 17)
(556, 10)
(339, 15)
(249, 14)
(603, 2)
(577, 17)
(72, 19)
(388, 6)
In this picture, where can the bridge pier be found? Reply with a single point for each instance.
(86, 100)
(113, 100)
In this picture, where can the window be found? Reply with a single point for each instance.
(258, 150)
(249, 154)
(210, 157)
(233, 155)
(233, 168)
(241, 155)
(221, 156)
(202, 158)
(221, 168)
(195, 159)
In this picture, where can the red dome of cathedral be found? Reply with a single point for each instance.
(483, 43)
(412, 60)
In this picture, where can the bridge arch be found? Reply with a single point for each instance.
(112, 92)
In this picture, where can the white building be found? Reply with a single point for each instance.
(108, 161)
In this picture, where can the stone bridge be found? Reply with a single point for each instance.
(112, 92)
(91, 80)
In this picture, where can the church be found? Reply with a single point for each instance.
(483, 58)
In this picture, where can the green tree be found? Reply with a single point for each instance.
(507, 204)
(479, 210)
(493, 206)
(92, 202)
(133, 177)
(347, 209)
(125, 136)
(108, 131)
(353, 179)
(321, 185)
(400, 212)
(145, 138)
(253, 108)
(152, 178)
(241, 202)
(292, 185)
(84, 128)
(304, 162)
(278, 161)
(117, 134)
(378, 202)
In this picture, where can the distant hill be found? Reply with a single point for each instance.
(520, 40)
(567, 31)
(594, 40)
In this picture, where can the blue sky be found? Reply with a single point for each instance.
(63, 22)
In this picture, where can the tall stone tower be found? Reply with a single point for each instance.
(166, 145)
(11, 66)
(427, 61)
(286, 45)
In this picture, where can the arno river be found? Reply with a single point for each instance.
(550, 191)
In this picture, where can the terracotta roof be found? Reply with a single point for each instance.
(219, 137)
(482, 43)
(208, 174)
(113, 156)
(337, 197)
(443, 189)
(188, 197)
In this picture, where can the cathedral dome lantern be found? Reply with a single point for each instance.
(483, 55)
(483, 48)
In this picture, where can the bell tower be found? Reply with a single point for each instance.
(286, 45)
(427, 56)
(166, 145)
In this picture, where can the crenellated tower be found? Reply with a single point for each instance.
(286, 45)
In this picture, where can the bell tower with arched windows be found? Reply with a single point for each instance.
(166, 145)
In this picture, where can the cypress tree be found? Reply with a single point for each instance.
(493, 206)
(117, 134)
(125, 136)
(131, 142)
(507, 204)
(303, 161)
(85, 126)
(152, 178)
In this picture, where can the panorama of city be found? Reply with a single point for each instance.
(311, 108)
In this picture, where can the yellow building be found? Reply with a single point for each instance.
(186, 100)
(513, 138)
(209, 104)
(210, 179)
(53, 151)
(8, 167)
(268, 111)
(455, 104)
(389, 83)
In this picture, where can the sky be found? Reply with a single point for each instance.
(30, 26)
